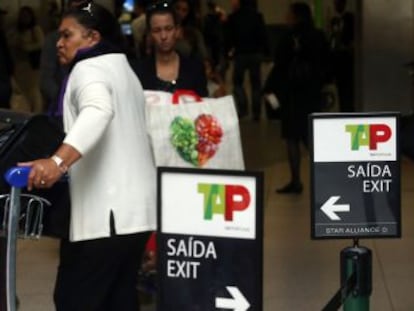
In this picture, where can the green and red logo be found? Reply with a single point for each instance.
(368, 135)
(224, 200)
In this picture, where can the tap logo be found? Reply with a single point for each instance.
(369, 135)
(224, 200)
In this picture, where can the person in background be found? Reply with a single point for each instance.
(31, 35)
(28, 44)
(108, 156)
(166, 69)
(6, 67)
(342, 55)
(246, 42)
(190, 41)
(213, 33)
(52, 17)
(296, 81)
(138, 26)
(215, 84)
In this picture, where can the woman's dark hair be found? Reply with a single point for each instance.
(303, 14)
(23, 25)
(96, 17)
(160, 7)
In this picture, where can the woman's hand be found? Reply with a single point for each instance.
(44, 173)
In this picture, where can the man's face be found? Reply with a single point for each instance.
(73, 37)
(163, 32)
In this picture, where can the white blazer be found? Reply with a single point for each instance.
(104, 120)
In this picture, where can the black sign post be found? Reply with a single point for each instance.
(209, 240)
(355, 176)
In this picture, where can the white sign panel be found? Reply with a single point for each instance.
(223, 206)
(354, 139)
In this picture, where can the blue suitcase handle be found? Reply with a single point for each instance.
(17, 176)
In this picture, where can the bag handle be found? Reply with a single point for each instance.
(181, 92)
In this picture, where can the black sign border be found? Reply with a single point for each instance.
(259, 178)
(314, 116)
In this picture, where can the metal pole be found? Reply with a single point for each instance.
(357, 260)
(13, 223)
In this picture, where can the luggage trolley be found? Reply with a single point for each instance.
(26, 137)
(22, 218)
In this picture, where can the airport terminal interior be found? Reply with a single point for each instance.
(300, 273)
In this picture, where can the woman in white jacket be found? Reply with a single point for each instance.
(107, 154)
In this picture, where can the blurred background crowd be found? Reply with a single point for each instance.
(232, 38)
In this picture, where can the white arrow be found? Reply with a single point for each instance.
(237, 303)
(329, 208)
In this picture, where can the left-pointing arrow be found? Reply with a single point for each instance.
(330, 208)
(237, 303)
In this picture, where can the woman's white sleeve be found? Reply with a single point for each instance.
(95, 105)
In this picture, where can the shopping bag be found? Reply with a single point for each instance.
(189, 131)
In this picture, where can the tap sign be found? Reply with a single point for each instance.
(355, 176)
(209, 240)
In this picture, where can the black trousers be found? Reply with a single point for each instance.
(100, 275)
(247, 63)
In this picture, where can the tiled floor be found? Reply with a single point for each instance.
(299, 274)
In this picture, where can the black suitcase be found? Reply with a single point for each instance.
(25, 137)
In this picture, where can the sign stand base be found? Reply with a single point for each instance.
(357, 261)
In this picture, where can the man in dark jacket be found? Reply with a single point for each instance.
(342, 54)
(296, 80)
(246, 40)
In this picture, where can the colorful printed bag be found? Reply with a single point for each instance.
(189, 131)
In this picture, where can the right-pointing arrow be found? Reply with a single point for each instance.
(329, 208)
(237, 303)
